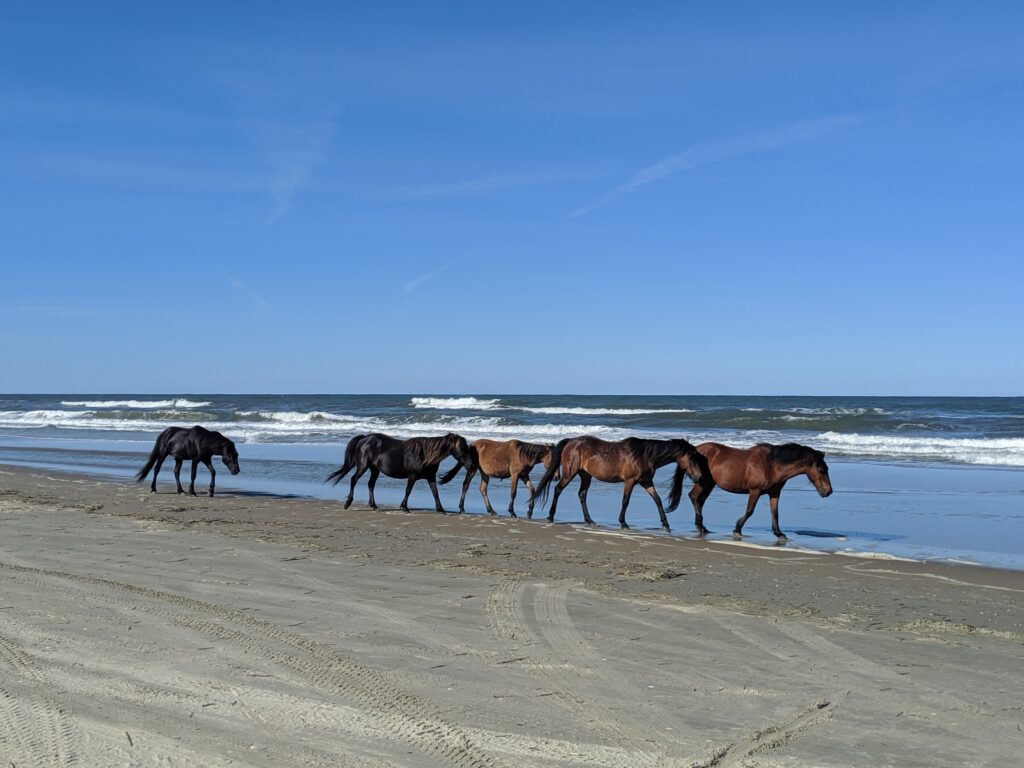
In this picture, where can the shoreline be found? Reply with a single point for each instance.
(927, 523)
(264, 631)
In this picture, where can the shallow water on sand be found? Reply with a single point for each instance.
(915, 511)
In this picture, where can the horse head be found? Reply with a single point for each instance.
(229, 455)
(460, 449)
(692, 462)
(817, 473)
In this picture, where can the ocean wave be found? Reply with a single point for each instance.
(264, 426)
(571, 411)
(968, 450)
(297, 417)
(454, 403)
(175, 403)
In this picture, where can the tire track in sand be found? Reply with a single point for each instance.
(771, 737)
(400, 715)
(568, 664)
(33, 729)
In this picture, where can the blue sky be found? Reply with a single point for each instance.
(714, 198)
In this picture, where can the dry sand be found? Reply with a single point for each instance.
(140, 630)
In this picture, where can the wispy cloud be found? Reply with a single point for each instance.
(702, 154)
(244, 290)
(485, 185)
(293, 152)
(411, 285)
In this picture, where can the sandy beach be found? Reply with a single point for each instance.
(140, 629)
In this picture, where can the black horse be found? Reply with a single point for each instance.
(198, 444)
(414, 459)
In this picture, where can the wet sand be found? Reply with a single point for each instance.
(140, 629)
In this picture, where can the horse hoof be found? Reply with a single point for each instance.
(737, 535)
(529, 515)
(592, 524)
(781, 537)
(404, 509)
(348, 503)
(623, 526)
(551, 518)
(492, 513)
(512, 514)
(666, 528)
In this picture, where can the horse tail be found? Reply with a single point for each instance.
(675, 494)
(154, 456)
(350, 461)
(448, 476)
(541, 491)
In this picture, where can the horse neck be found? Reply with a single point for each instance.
(789, 471)
(669, 452)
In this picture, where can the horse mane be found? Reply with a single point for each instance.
(659, 452)
(534, 451)
(433, 450)
(791, 453)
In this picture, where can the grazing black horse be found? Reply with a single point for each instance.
(198, 444)
(415, 459)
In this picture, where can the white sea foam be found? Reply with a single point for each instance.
(967, 450)
(175, 403)
(454, 403)
(571, 411)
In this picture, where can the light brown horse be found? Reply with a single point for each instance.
(756, 471)
(511, 459)
(631, 461)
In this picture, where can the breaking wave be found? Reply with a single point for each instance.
(175, 403)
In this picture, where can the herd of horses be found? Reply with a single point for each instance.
(759, 471)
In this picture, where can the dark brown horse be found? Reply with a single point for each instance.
(414, 459)
(509, 458)
(756, 471)
(632, 461)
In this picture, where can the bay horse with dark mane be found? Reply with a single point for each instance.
(199, 445)
(632, 461)
(756, 471)
(415, 459)
(512, 459)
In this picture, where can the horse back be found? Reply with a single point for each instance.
(736, 469)
(494, 456)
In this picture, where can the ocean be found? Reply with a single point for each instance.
(914, 477)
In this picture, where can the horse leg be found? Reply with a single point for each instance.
(649, 487)
(352, 486)
(584, 487)
(465, 487)
(432, 482)
(751, 503)
(156, 471)
(514, 479)
(192, 484)
(627, 491)
(177, 474)
(529, 487)
(773, 500)
(213, 474)
(372, 484)
(698, 495)
(558, 492)
(408, 489)
(483, 492)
